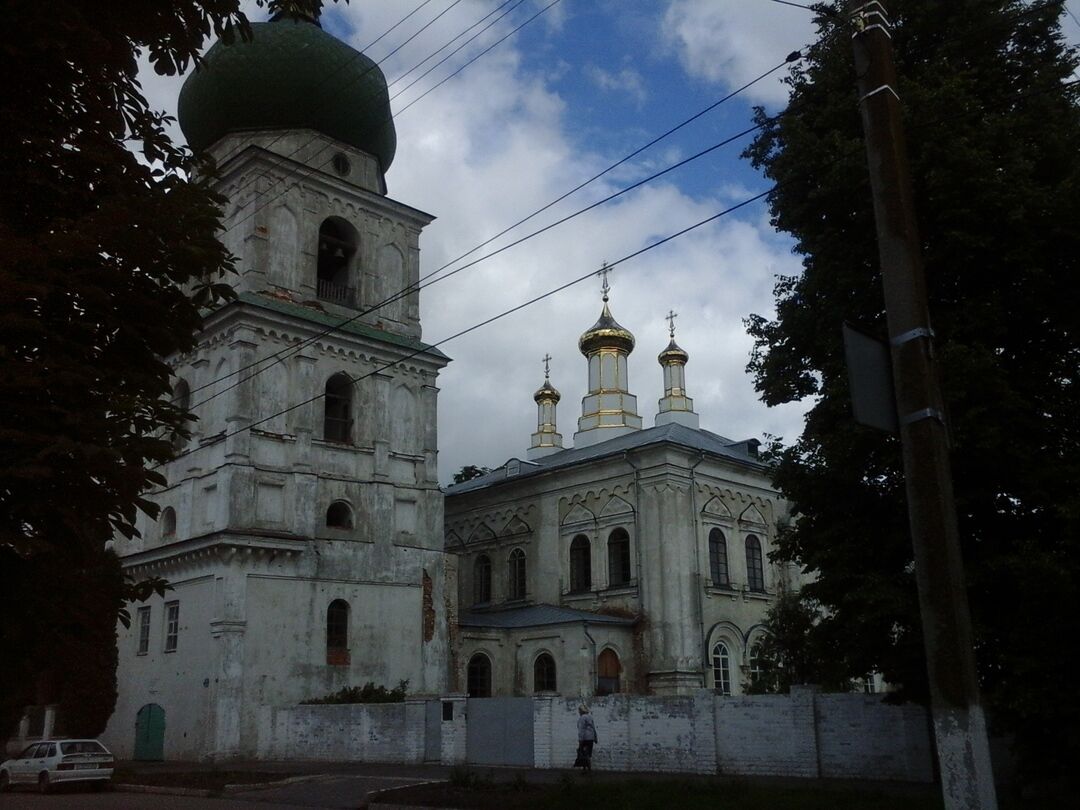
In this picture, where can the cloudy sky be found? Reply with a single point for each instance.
(575, 90)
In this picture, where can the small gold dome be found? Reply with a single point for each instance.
(673, 354)
(546, 393)
(606, 334)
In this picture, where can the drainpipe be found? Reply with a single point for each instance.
(592, 659)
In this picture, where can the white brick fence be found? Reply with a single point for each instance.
(803, 734)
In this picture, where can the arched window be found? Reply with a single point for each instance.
(479, 676)
(718, 569)
(608, 670)
(580, 564)
(482, 580)
(618, 556)
(337, 245)
(337, 404)
(544, 673)
(339, 516)
(168, 522)
(517, 574)
(337, 632)
(721, 667)
(753, 659)
(181, 398)
(755, 570)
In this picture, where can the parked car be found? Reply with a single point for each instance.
(52, 762)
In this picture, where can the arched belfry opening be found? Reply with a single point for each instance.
(337, 248)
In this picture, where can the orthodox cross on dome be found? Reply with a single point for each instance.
(603, 273)
(547, 367)
(671, 316)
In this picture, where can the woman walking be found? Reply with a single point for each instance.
(586, 734)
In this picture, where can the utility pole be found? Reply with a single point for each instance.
(967, 781)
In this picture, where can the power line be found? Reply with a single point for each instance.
(510, 311)
(279, 356)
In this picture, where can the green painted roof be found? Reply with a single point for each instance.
(325, 319)
(290, 75)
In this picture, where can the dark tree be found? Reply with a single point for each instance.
(993, 133)
(109, 255)
(469, 472)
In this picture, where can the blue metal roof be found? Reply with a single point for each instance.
(694, 439)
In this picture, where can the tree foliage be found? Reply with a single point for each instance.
(109, 255)
(993, 134)
(469, 472)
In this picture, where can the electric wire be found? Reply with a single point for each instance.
(610, 265)
(428, 278)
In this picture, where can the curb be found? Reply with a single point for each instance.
(371, 801)
(243, 787)
(168, 791)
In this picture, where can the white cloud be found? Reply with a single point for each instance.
(627, 81)
(731, 42)
(494, 144)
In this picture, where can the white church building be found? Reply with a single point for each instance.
(635, 561)
(302, 527)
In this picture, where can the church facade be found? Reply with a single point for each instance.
(302, 529)
(635, 561)
(301, 523)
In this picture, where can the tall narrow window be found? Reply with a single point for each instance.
(608, 670)
(755, 570)
(337, 245)
(181, 398)
(482, 580)
(517, 574)
(337, 404)
(172, 625)
(718, 568)
(337, 632)
(544, 673)
(479, 677)
(721, 667)
(618, 550)
(144, 630)
(168, 522)
(580, 564)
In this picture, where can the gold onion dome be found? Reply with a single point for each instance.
(546, 393)
(606, 334)
(673, 354)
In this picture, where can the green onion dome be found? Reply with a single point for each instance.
(290, 75)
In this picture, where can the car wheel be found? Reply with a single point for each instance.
(44, 783)
(5, 782)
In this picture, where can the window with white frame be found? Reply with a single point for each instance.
(721, 666)
(172, 625)
(144, 630)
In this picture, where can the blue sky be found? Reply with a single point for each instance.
(573, 92)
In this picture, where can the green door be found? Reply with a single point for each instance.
(150, 733)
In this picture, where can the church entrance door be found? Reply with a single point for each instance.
(150, 733)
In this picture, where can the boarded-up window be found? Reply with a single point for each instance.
(608, 670)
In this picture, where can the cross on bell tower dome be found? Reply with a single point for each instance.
(675, 405)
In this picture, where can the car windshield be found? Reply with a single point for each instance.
(82, 747)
